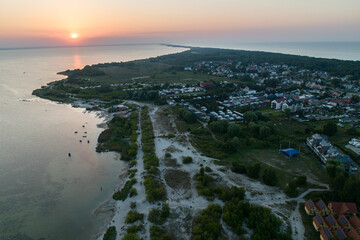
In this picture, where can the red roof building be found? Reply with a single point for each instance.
(342, 208)
(325, 234)
(339, 233)
(353, 234)
(344, 223)
(310, 207)
(345, 101)
(355, 222)
(319, 222)
(331, 222)
(206, 84)
(322, 208)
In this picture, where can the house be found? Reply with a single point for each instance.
(341, 102)
(325, 234)
(277, 103)
(344, 223)
(355, 222)
(322, 208)
(353, 234)
(331, 222)
(340, 234)
(347, 161)
(319, 223)
(310, 207)
(294, 106)
(343, 208)
(206, 84)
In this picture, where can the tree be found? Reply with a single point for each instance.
(355, 99)
(291, 189)
(336, 82)
(269, 177)
(287, 112)
(250, 117)
(330, 128)
(253, 171)
(234, 130)
(235, 142)
(265, 131)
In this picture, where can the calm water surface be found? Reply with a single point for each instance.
(43, 192)
(337, 50)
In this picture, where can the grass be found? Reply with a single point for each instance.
(286, 170)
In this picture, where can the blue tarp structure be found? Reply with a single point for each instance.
(289, 152)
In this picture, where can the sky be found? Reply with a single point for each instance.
(26, 23)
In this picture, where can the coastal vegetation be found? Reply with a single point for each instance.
(124, 192)
(154, 189)
(120, 136)
(159, 216)
(110, 233)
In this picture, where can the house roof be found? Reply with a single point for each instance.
(353, 233)
(341, 208)
(342, 101)
(343, 221)
(281, 100)
(330, 220)
(321, 205)
(326, 234)
(344, 159)
(340, 234)
(309, 204)
(355, 221)
(318, 220)
(204, 84)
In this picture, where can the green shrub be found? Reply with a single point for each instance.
(208, 169)
(207, 224)
(132, 192)
(131, 236)
(253, 171)
(269, 177)
(158, 233)
(159, 216)
(133, 229)
(167, 154)
(133, 205)
(110, 233)
(238, 168)
(171, 135)
(132, 163)
(133, 216)
(154, 191)
(124, 192)
(187, 160)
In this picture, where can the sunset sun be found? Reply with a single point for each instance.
(74, 35)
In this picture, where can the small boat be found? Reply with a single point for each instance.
(69, 154)
(80, 140)
(75, 132)
(84, 136)
(85, 132)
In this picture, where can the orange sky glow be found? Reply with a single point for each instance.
(55, 21)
